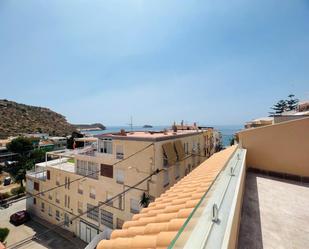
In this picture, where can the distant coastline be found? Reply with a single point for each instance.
(90, 127)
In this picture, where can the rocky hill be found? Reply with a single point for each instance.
(18, 118)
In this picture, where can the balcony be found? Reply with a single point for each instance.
(39, 174)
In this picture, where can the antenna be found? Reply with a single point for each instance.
(131, 123)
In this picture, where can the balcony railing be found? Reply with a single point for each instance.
(210, 223)
(41, 175)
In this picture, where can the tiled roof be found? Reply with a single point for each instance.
(157, 225)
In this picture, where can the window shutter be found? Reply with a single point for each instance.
(107, 170)
(36, 186)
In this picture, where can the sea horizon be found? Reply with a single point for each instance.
(227, 131)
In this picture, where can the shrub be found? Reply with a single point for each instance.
(4, 195)
(4, 232)
(17, 190)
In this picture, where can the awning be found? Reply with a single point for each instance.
(170, 153)
(180, 150)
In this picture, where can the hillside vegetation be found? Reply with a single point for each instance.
(16, 119)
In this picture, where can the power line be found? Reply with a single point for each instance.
(95, 207)
(77, 179)
(19, 243)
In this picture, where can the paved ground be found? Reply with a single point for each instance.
(4, 189)
(51, 240)
(274, 214)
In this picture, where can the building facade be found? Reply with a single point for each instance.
(116, 163)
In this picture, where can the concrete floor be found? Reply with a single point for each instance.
(51, 240)
(275, 214)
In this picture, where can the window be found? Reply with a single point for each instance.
(67, 201)
(36, 186)
(57, 197)
(166, 179)
(107, 170)
(42, 191)
(92, 212)
(57, 215)
(134, 206)
(194, 147)
(186, 147)
(50, 196)
(177, 171)
(119, 223)
(48, 175)
(57, 180)
(50, 211)
(80, 189)
(34, 201)
(92, 170)
(107, 218)
(120, 199)
(92, 193)
(89, 169)
(109, 196)
(119, 151)
(67, 182)
(66, 220)
(120, 176)
(80, 207)
(42, 206)
(106, 146)
(165, 162)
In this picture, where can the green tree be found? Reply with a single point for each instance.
(38, 155)
(279, 107)
(20, 145)
(145, 200)
(4, 232)
(18, 171)
(291, 102)
(24, 147)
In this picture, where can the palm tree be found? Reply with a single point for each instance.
(145, 200)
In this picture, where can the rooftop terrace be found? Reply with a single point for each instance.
(150, 135)
(274, 214)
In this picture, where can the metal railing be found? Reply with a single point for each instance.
(206, 227)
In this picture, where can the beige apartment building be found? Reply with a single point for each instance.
(115, 163)
(251, 195)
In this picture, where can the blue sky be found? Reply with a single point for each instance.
(215, 62)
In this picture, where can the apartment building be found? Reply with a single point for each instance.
(114, 164)
(251, 195)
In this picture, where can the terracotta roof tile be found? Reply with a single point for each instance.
(156, 226)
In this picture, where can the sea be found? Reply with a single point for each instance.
(227, 131)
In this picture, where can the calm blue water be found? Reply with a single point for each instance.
(227, 131)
